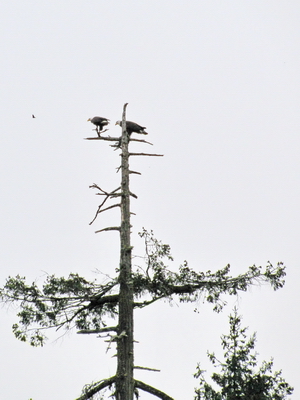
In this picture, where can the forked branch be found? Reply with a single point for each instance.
(107, 196)
(93, 389)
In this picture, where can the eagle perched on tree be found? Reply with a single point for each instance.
(133, 127)
(100, 123)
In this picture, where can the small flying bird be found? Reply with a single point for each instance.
(99, 122)
(33, 116)
(133, 127)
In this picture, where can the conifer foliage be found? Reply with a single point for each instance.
(239, 377)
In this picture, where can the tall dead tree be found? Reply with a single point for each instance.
(124, 380)
(75, 302)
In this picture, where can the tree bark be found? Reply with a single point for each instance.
(124, 377)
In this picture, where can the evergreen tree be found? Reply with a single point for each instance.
(239, 378)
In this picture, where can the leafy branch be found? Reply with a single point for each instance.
(61, 302)
(159, 282)
(74, 302)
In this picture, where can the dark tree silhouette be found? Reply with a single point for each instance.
(239, 378)
(94, 308)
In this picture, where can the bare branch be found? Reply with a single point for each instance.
(145, 154)
(110, 228)
(98, 133)
(147, 369)
(95, 388)
(140, 140)
(108, 208)
(105, 209)
(109, 138)
(133, 195)
(152, 390)
(108, 195)
(94, 186)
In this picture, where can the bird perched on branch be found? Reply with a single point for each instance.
(99, 122)
(133, 127)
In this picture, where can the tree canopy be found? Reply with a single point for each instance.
(239, 378)
(74, 302)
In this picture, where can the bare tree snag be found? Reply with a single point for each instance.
(76, 302)
(124, 377)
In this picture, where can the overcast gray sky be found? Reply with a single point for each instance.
(216, 83)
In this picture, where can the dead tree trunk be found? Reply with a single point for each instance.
(125, 384)
(124, 377)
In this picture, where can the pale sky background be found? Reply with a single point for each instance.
(216, 83)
